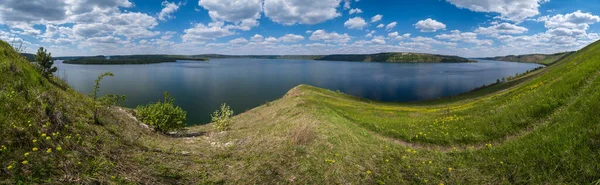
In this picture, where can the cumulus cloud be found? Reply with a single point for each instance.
(575, 23)
(380, 26)
(291, 12)
(391, 26)
(257, 38)
(201, 32)
(355, 23)
(244, 12)
(238, 41)
(466, 37)
(291, 38)
(397, 36)
(513, 10)
(429, 25)
(355, 11)
(503, 28)
(322, 35)
(376, 18)
(168, 9)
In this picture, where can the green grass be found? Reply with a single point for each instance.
(540, 128)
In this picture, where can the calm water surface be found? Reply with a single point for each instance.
(200, 87)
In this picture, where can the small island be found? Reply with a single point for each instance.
(132, 59)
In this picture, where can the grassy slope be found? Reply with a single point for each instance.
(540, 128)
(544, 59)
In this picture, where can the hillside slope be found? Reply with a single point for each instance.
(545, 59)
(541, 128)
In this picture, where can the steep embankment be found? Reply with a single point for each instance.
(536, 129)
(544, 59)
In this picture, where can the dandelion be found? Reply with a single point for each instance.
(9, 167)
(58, 148)
(43, 135)
(34, 141)
(49, 150)
(368, 172)
(26, 154)
(35, 149)
(25, 162)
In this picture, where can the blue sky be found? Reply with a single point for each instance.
(470, 28)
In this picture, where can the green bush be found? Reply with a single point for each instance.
(222, 118)
(163, 116)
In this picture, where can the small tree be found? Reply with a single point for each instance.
(44, 60)
(163, 116)
(222, 118)
(95, 93)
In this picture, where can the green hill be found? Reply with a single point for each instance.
(540, 128)
(545, 59)
(397, 58)
(132, 59)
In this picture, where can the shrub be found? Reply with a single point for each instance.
(222, 118)
(45, 61)
(163, 116)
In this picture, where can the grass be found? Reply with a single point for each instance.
(540, 128)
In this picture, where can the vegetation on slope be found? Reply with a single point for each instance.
(544, 59)
(398, 58)
(540, 128)
(132, 59)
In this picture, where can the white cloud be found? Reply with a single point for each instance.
(397, 36)
(376, 18)
(380, 26)
(429, 25)
(291, 38)
(378, 40)
(503, 28)
(572, 22)
(236, 11)
(355, 11)
(322, 35)
(428, 40)
(370, 34)
(257, 38)
(513, 10)
(291, 12)
(466, 37)
(201, 32)
(167, 11)
(238, 41)
(355, 23)
(391, 26)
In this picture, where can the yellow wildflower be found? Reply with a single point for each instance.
(78, 163)
(43, 135)
(35, 149)
(29, 125)
(34, 141)
(113, 177)
(449, 169)
(48, 138)
(368, 172)
(387, 160)
(49, 150)
(26, 154)
(25, 162)
(9, 167)
(441, 183)
(58, 148)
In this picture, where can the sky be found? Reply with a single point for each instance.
(468, 28)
